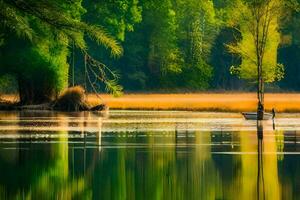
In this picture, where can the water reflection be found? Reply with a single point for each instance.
(260, 167)
(178, 164)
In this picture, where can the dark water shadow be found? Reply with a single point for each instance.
(260, 164)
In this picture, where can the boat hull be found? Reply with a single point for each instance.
(253, 116)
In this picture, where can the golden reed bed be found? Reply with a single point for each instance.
(229, 102)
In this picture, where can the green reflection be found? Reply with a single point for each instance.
(41, 173)
(170, 165)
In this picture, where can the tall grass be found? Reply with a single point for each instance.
(226, 102)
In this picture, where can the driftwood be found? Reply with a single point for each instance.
(54, 107)
(99, 107)
(46, 106)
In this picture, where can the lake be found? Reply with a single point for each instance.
(148, 155)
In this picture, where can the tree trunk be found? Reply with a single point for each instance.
(31, 92)
(260, 111)
(260, 94)
(260, 129)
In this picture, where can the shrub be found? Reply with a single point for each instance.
(72, 99)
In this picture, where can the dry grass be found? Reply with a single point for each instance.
(72, 99)
(227, 102)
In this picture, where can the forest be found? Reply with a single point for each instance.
(143, 46)
(150, 99)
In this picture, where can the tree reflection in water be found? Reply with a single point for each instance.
(152, 165)
(260, 168)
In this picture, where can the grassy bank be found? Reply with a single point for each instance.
(226, 102)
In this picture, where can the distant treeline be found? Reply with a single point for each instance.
(169, 45)
(180, 45)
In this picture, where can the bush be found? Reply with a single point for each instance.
(72, 99)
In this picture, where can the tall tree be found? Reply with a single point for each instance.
(259, 44)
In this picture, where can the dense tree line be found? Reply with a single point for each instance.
(179, 45)
(149, 45)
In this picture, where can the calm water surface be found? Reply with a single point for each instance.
(148, 155)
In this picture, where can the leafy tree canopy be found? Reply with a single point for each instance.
(62, 17)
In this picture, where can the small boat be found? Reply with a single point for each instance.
(253, 116)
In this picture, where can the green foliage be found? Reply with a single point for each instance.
(164, 54)
(50, 26)
(98, 71)
(117, 16)
(11, 18)
(173, 44)
(200, 27)
(261, 42)
(60, 16)
(7, 84)
(113, 87)
(198, 76)
(248, 68)
(1, 40)
(171, 47)
(41, 68)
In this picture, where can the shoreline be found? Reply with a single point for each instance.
(205, 102)
(213, 102)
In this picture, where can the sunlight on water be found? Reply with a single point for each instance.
(148, 155)
(132, 121)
